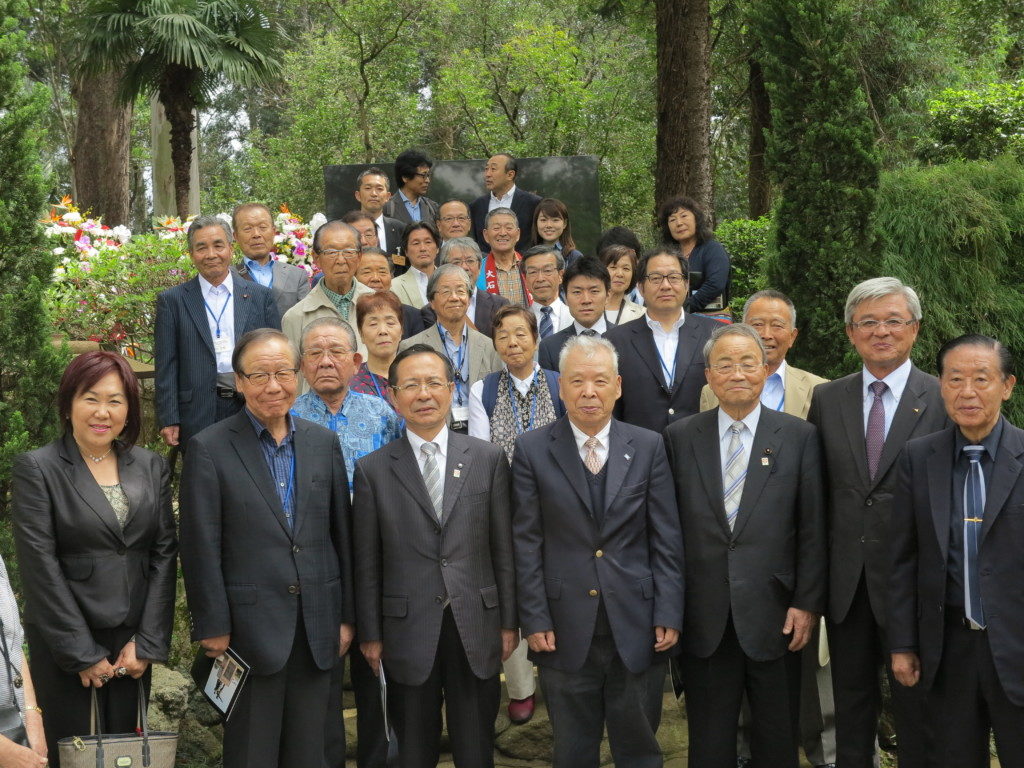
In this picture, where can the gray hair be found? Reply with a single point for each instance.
(459, 244)
(543, 250)
(328, 322)
(442, 271)
(201, 222)
(878, 288)
(772, 294)
(258, 336)
(499, 212)
(589, 346)
(736, 329)
(327, 226)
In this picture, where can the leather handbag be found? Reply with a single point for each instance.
(144, 749)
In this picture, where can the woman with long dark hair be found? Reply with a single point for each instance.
(685, 224)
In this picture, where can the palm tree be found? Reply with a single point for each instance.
(181, 50)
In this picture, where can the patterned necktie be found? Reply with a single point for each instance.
(431, 476)
(546, 326)
(734, 474)
(875, 436)
(592, 461)
(588, 332)
(974, 513)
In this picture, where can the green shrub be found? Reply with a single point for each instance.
(977, 124)
(748, 242)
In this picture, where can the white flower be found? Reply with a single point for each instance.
(278, 239)
(122, 233)
(72, 217)
(58, 252)
(65, 260)
(317, 221)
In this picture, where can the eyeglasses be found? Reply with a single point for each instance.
(284, 376)
(893, 324)
(450, 219)
(348, 253)
(425, 176)
(674, 278)
(546, 271)
(317, 354)
(468, 262)
(433, 386)
(726, 369)
(444, 293)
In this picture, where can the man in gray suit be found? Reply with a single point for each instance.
(864, 421)
(599, 561)
(254, 235)
(265, 553)
(434, 570)
(464, 252)
(748, 481)
(470, 353)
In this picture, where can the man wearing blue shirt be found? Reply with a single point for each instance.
(411, 204)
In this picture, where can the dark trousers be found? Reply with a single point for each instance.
(471, 706)
(857, 648)
(371, 743)
(967, 701)
(66, 704)
(279, 719)
(334, 722)
(604, 693)
(714, 688)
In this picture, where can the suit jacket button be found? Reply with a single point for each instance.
(599, 553)
(671, 411)
(940, 607)
(869, 502)
(593, 593)
(293, 589)
(120, 550)
(296, 549)
(861, 539)
(732, 546)
(444, 562)
(438, 599)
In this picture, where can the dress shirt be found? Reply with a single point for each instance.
(343, 302)
(415, 441)
(214, 298)
(667, 342)
(774, 393)
(479, 421)
(382, 235)
(363, 424)
(471, 307)
(412, 208)
(897, 382)
(602, 442)
(15, 638)
(280, 460)
(746, 436)
(955, 557)
(560, 316)
(261, 273)
(421, 280)
(452, 352)
(600, 326)
(505, 201)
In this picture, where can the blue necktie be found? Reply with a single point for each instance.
(974, 513)
(546, 326)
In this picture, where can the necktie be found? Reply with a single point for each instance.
(592, 461)
(974, 512)
(431, 476)
(588, 332)
(735, 472)
(875, 437)
(546, 326)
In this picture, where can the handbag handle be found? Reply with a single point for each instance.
(144, 720)
(97, 728)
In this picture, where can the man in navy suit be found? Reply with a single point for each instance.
(500, 176)
(955, 607)
(599, 566)
(196, 327)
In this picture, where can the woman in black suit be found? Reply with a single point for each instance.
(96, 545)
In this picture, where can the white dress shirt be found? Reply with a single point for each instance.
(421, 281)
(600, 326)
(560, 315)
(382, 234)
(897, 382)
(746, 435)
(479, 421)
(667, 342)
(505, 201)
(441, 457)
(217, 297)
(774, 393)
(602, 442)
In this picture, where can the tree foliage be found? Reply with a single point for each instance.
(976, 124)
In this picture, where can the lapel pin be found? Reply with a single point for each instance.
(626, 456)
(764, 461)
(456, 473)
(917, 410)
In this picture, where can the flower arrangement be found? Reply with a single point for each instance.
(294, 240)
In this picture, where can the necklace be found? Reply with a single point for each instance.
(95, 459)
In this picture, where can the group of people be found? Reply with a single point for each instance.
(526, 456)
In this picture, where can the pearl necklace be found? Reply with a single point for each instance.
(95, 459)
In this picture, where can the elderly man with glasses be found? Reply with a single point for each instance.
(464, 252)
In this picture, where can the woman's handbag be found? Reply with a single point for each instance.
(145, 749)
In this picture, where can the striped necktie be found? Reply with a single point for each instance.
(735, 473)
(431, 476)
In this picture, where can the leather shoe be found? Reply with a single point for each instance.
(520, 710)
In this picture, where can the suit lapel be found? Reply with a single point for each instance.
(456, 470)
(195, 304)
(620, 457)
(647, 351)
(940, 470)
(247, 446)
(87, 487)
(768, 442)
(133, 483)
(243, 308)
(476, 351)
(709, 464)
(797, 392)
(565, 453)
(909, 410)
(302, 484)
(852, 411)
(406, 469)
(686, 348)
(1006, 473)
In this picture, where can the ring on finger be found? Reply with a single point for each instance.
(104, 678)
(121, 671)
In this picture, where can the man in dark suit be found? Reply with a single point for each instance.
(412, 174)
(265, 553)
(254, 234)
(196, 327)
(660, 354)
(599, 562)
(748, 480)
(434, 570)
(863, 421)
(955, 603)
(587, 283)
(373, 190)
(464, 252)
(500, 176)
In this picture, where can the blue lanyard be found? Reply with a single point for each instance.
(219, 315)
(782, 401)
(457, 363)
(671, 374)
(376, 386)
(288, 492)
(515, 408)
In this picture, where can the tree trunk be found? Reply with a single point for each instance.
(100, 155)
(758, 185)
(684, 101)
(178, 105)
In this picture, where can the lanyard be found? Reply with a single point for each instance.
(376, 386)
(671, 374)
(288, 492)
(457, 363)
(219, 315)
(515, 407)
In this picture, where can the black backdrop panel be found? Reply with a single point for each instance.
(573, 180)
